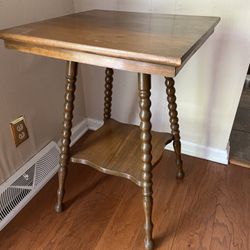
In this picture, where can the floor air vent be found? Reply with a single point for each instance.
(18, 190)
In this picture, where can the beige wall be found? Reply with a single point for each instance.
(31, 86)
(209, 86)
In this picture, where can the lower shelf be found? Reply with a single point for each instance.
(115, 149)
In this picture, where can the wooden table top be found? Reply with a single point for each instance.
(140, 42)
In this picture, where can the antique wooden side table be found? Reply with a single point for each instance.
(137, 42)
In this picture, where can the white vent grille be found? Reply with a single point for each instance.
(50, 160)
(9, 199)
(18, 190)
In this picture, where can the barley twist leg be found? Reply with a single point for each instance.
(174, 124)
(146, 148)
(108, 93)
(67, 125)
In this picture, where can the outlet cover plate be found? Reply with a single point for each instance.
(19, 130)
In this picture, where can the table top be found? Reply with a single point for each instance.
(148, 40)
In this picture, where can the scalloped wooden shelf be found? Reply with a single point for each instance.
(115, 149)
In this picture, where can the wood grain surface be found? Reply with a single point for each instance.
(209, 209)
(150, 40)
(115, 149)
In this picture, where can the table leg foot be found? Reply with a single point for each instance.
(149, 245)
(148, 205)
(180, 172)
(59, 208)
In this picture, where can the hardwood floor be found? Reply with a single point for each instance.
(210, 209)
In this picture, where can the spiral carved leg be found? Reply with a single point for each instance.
(67, 125)
(146, 148)
(173, 118)
(108, 93)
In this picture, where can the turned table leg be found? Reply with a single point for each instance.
(71, 72)
(173, 118)
(146, 147)
(108, 93)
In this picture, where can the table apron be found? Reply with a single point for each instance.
(94, 59)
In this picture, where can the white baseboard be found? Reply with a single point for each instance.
(79, 130)
(188, 148)
(94, 124)
(203, 152)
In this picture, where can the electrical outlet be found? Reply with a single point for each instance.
(19, 130)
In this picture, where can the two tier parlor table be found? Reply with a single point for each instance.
(139, 42)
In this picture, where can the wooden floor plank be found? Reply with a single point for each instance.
(195, 226)
(231, 226)
(125, 224)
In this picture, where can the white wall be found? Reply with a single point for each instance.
(32, 86)
(209, 86)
